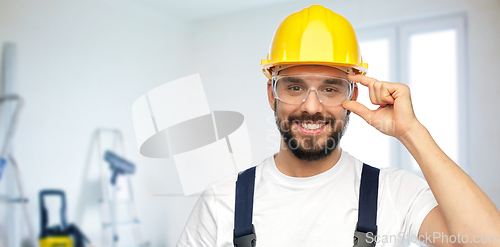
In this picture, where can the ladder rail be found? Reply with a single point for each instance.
(132, 207)
(13, 121)
(6, 155)
(27, 215)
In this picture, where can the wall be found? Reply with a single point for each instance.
(80, 66)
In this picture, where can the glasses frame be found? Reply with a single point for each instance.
(275, 78)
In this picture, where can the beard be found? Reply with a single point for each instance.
(311, 148)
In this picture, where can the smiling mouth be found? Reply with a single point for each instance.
(312, 126)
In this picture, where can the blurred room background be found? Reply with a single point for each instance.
(80, 65)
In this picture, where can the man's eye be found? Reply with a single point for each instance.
(295, 88)
(331, 90)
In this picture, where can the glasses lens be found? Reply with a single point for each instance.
(332, 91)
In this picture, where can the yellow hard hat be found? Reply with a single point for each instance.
(314, 35)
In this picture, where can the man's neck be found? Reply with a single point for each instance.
(288, 164)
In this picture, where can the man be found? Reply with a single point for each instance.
(312, 193)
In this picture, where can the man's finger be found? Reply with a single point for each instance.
(386, 96)
(364, 80)
(387, 88)
(382, 93)
(359, 109)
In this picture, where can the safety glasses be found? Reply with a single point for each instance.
(295, 88)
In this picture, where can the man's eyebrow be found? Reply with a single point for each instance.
(331, 81)
(294, 79)
(335, 81)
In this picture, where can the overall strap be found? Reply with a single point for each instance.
(367, 210)
(244, 231)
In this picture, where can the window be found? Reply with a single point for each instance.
(429, 56)
(363, 141)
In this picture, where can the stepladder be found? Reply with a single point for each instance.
(120, 221)
(10, 107)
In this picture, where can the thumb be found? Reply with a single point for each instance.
(359, 109)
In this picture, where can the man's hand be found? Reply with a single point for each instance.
(395, 115)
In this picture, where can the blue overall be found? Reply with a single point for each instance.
(244, 231)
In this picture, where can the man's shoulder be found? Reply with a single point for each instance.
(400, 183)
(228, 183)
(388, 175)
(224, 183)
(397, 174)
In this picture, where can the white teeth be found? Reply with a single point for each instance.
(312, 126)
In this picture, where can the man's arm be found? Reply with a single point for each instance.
(466, 209)
(463, 207)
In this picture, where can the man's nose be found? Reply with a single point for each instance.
(312, 105)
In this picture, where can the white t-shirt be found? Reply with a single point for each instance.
(321, 210)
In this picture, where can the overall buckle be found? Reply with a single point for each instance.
(248, 240)
(362, 239)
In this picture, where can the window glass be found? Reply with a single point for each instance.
(433, 84)
(362, 140)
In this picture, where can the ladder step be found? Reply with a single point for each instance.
(9, 199)
(101, 201)
(140, 245)
(122, 223)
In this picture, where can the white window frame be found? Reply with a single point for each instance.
(398, 34)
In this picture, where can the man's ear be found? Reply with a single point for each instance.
(270, 94)
(355, 92)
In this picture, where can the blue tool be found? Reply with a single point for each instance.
(2, 166)
(118, 165)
